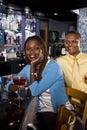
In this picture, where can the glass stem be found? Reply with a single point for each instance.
(19, 97)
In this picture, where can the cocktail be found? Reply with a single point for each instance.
(85, 78)
(19, 80)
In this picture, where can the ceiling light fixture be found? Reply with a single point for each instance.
(76, 11)
(55, 14)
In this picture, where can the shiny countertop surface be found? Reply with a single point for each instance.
(12, 59)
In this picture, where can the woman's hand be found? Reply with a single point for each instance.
(14, 87)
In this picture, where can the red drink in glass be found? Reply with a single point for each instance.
(85, 78)
(19, 81)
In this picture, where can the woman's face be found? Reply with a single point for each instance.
(32, 50)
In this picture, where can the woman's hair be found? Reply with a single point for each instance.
(40, 41)
(44, 51)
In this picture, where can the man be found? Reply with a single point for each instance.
(74, 79)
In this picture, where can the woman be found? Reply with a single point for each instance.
(46, 82)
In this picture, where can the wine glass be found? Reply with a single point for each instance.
(85, 77)
(19, 80)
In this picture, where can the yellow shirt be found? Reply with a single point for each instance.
(67, 62)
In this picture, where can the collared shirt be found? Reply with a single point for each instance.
(67, 62)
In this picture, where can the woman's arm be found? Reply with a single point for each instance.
(10, 86)
(50, 75)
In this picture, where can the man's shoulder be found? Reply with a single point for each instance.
(83, 56)
(62, 58)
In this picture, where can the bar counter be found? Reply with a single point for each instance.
(11, 115)
(11, 66)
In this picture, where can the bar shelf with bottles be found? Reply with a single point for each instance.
(15, 27)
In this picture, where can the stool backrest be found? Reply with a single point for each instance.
(79, 100)
(65, 119)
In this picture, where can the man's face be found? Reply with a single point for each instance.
(73, 44)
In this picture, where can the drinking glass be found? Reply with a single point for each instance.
(19, 80)
(85, 78)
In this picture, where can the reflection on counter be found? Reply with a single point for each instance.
(11, 115)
